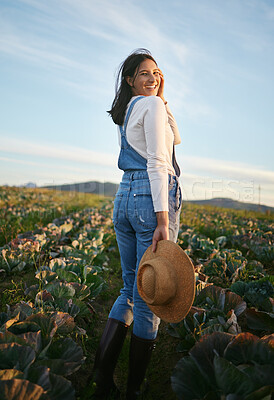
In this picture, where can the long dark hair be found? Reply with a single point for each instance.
(129, 67)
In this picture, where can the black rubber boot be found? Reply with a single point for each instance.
(106, 358)
(139, 356)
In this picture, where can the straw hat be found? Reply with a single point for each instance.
(166, 281)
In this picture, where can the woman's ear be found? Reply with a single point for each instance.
(129, 80)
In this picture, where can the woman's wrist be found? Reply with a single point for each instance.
(162, 218)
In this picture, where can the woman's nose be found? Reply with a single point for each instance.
(151, 78)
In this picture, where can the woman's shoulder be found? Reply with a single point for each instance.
(151, 102)
(146, 106)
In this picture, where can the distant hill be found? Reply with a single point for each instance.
(102, 188)
(109, 189)
(236, 205)
(29, 185)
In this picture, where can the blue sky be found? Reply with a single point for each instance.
(59, 60)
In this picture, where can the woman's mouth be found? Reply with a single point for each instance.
(151, 87)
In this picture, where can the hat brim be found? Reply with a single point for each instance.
(179, 306)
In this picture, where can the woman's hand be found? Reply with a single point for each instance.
(161, 87)
(161, 232)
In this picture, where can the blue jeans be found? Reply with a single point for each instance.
(134, 223)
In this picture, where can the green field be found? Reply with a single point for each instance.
(60, 273)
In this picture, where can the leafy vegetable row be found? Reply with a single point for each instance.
(36, 350)
(224, 356)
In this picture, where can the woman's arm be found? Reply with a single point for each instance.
(154, 127)
(171, 119)
(161, 232)
(173, 124)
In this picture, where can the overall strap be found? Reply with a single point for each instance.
(123, 128)
(175, 164)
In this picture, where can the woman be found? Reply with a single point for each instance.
(146, 210)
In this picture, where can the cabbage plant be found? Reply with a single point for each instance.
(224, 366)
(215, 309)
(66, 287)
(225, 264)
(257, 294)
(34, 363)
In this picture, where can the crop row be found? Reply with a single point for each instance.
(37, 351)
(23, 210)
(227, 339)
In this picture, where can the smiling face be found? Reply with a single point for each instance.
(146, 80)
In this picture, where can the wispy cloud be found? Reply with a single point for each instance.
(37, 52)
(112, 22)
(58, 152)
(226, 169)
(236, 20)
(44, 172)
(38, 41)
(193, 166)
(202, 178)
(205, 178)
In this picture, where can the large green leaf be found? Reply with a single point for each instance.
(61, 388)
(84, 310)
(67, 306)
(64, 321)
(9, 322)
(67, 276)
(43, 297)
(14, 355)
(95, 283)
(46, 276)
(230, 379)
(40, 375)
(239, 288)
(264, 393)
(204, 351)
(23, 327)
(34, 339)
(261, 375)
(60, 289)
(31, 291)
(15, 389)
(56, 263)
(221, 299)
(187, 381)
(76, 268)
(64, 357)
(81, 291)
(259, 320)
(66, 349)
(24, 309)
(6, 374)
(47, 325)
(247, 348)
(234, 302)
(258, 294)
(9, 337)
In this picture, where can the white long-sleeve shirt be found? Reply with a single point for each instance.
(152, 131)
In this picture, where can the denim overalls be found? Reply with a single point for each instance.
(134, 223)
